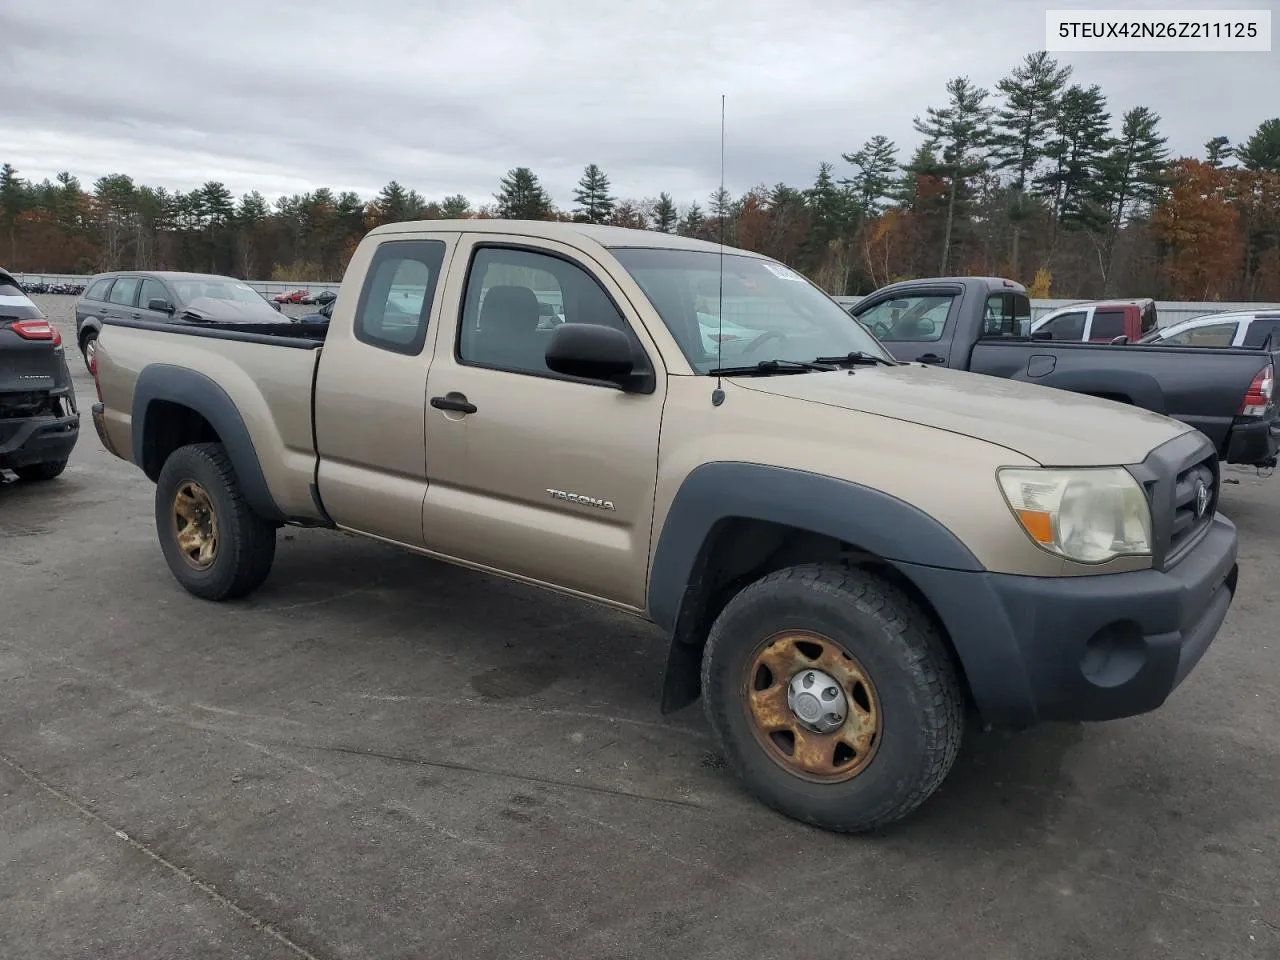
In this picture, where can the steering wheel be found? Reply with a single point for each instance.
(879, 329)
(765, 337)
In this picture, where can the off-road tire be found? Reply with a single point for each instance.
(246, 542)
(915, 677)
(40, 472)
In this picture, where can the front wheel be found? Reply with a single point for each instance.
(215, 545)
(832, 696)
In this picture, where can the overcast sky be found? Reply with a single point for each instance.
(446, 95)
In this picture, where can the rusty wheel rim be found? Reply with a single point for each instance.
(791, 743)
(195, 525)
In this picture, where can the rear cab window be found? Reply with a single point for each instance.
(399, 289)
(1260, 329)
(1006, 315)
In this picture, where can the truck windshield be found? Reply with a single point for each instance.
(770, 311)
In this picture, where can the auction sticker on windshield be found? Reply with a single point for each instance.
(783, 273)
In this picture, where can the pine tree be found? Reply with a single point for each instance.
(522, 197)
(693, 223)
(1133, 174)
(665, 215)
(455, 207)
(1218, 151)
(960, 128)
(1022, 125)
(13, 200)
(1076, 184)
(1262, 150)
(872, 183)
(595, 204)
(394, 204)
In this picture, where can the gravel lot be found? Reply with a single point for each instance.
(378, 756)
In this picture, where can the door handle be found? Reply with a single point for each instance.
(453, 401)
(137, 316)
(931, 358)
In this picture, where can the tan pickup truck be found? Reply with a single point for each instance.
(849, 553)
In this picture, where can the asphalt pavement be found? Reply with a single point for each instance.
(380, 756)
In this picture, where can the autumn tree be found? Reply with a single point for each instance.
(962, 130)
(522, 197)
(1199, 229)
(595, 204)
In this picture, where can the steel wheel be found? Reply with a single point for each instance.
(812, 707)
(195, 525)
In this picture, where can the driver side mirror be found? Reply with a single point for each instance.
(1042, 335)
(595, 352)
(160, 305)
(1122, 339)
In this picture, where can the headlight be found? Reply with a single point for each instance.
(1089, 515)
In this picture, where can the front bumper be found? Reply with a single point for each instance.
(1084, 648)
(1254, 443)
(32, 440)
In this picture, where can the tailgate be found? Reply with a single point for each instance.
(27, 366)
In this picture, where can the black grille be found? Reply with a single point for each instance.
(1171, 476)
(1189, 516)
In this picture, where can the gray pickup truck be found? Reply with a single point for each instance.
(773, 502)
(982, 324)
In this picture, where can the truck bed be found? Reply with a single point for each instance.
(269, 369)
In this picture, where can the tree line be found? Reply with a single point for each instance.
(1039, 181)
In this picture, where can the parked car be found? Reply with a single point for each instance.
(292, 296)
(833, 597)
(1102, 321)
(318, 299)
(166, 296)
(982, 324)
(1236, 329)
(39, 420)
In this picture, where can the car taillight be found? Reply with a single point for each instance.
(37, 330)
(1258, 397)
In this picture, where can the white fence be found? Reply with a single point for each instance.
(1168, 311)
(269, 287)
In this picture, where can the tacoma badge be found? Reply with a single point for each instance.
(579, 498)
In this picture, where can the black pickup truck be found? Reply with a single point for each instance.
(982, 324)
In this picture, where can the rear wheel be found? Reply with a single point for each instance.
(215, 545)
(88, 347)
(38, 472)
(832, 696)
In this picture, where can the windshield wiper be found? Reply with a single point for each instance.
(856, 357)
(767, 368)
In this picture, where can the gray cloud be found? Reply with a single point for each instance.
(445, 96)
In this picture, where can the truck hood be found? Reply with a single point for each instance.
(1051, 426)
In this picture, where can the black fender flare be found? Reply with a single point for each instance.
(166, 382)
(1141, 388)
(874, 521)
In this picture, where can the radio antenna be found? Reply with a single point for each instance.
(717, 395)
